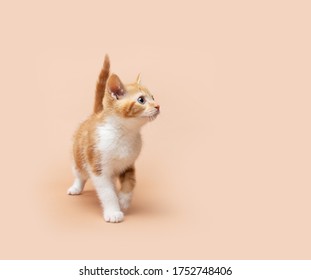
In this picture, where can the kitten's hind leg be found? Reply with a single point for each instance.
(78, 184)
(128, 181)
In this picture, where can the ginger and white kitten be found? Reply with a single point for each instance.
(107, 144)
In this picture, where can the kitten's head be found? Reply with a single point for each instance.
(132, 100)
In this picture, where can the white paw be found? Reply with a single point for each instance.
(125, 200)
(113, 216)
(74, 190)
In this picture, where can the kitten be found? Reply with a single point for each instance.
(107, 144)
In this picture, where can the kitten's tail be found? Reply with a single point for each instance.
(101, 85)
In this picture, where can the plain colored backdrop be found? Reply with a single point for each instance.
(225, 170)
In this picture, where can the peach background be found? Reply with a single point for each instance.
(225, 170)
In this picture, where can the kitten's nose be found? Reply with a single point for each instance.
(157, 107)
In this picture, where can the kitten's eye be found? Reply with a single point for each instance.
(141, 100)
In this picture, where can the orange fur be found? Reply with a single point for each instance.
(84, 148)
(120, 105)
(127, 180)
(101, 86)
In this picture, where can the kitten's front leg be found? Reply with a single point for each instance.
(104, 185)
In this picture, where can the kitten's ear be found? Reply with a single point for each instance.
(115, 87)
(138, 79)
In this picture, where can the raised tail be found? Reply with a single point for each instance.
(101, 85)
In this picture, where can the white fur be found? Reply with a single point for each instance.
(78, 184)
(105, 188)
(120, 143)
(76, 187)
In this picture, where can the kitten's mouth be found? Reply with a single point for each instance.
(154, 116)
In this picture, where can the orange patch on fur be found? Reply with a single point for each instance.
(84, 148)
(131, 109)
(127, 179)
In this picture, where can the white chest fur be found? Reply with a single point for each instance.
(119, 144)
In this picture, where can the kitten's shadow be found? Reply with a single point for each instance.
(89, 199)
(135, 209)
(91, 202)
